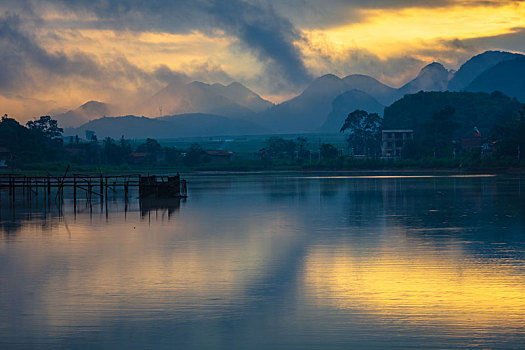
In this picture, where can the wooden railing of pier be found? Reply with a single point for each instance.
(94, 185)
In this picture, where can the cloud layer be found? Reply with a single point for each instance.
(58, 53)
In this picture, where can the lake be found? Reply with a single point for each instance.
(271, 261)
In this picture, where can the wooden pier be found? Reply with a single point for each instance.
(90, 186)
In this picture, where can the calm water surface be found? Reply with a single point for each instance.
(271, 262)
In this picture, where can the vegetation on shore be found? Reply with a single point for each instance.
(437, 144)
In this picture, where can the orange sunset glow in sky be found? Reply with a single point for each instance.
(58, 54)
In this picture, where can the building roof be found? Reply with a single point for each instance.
(399, 130)
(220, 153)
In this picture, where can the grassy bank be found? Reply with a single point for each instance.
(488, 164)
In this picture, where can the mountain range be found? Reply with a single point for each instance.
(182, 125)
(83, 114)
(234, 100)
(199, 109)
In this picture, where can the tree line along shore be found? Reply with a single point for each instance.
(437, 141)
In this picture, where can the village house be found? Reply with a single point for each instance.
(393, 141)
(219, 156)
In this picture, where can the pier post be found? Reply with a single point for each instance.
(11, 189)
(89, 190)
(102, 189)
(75, 190)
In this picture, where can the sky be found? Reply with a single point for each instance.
(58, 54)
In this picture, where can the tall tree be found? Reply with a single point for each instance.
(47, 126)
(281, 148)
(510, 137)
(363, 131)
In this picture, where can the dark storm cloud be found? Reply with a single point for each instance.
(20, 54)
(168, 76)
(514, 41)
(154, 15)
(258, 27)
(270, 36)
(207, 72)
(26, 64)
(268, 29)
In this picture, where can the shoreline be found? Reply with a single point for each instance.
(357, 172)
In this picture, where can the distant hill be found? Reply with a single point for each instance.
(471, 69)
(479, 110)
(315, 108)
(133, 127)
(241, 95)
(433, 77)
(234, 100)
(83, 114)
(308, 111)
(312, 109)
(348, 102)
(374, 88)
(507, 77)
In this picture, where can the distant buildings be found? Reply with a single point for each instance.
(393, 141)
(471, 142)
(219, 156)
(476, 141)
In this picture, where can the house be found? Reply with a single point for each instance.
(219, 156)
(138, 158)
(474, 141)
(393, 141)
(471, 142)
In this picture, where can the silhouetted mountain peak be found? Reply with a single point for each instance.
(360, 78)
(325, 80)
(433, 68)
(471, 69)
(373, 87)
(347, 102)
(432, 77)
(236, 84)
(234, 100)
(93, 105)
(324, 85)
(199, 84)
(507, 77)
(328, 77)
(86, 112)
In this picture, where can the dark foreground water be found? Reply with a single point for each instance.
(271, 262)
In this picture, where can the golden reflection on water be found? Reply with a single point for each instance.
(427, 286)
(398, 176)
